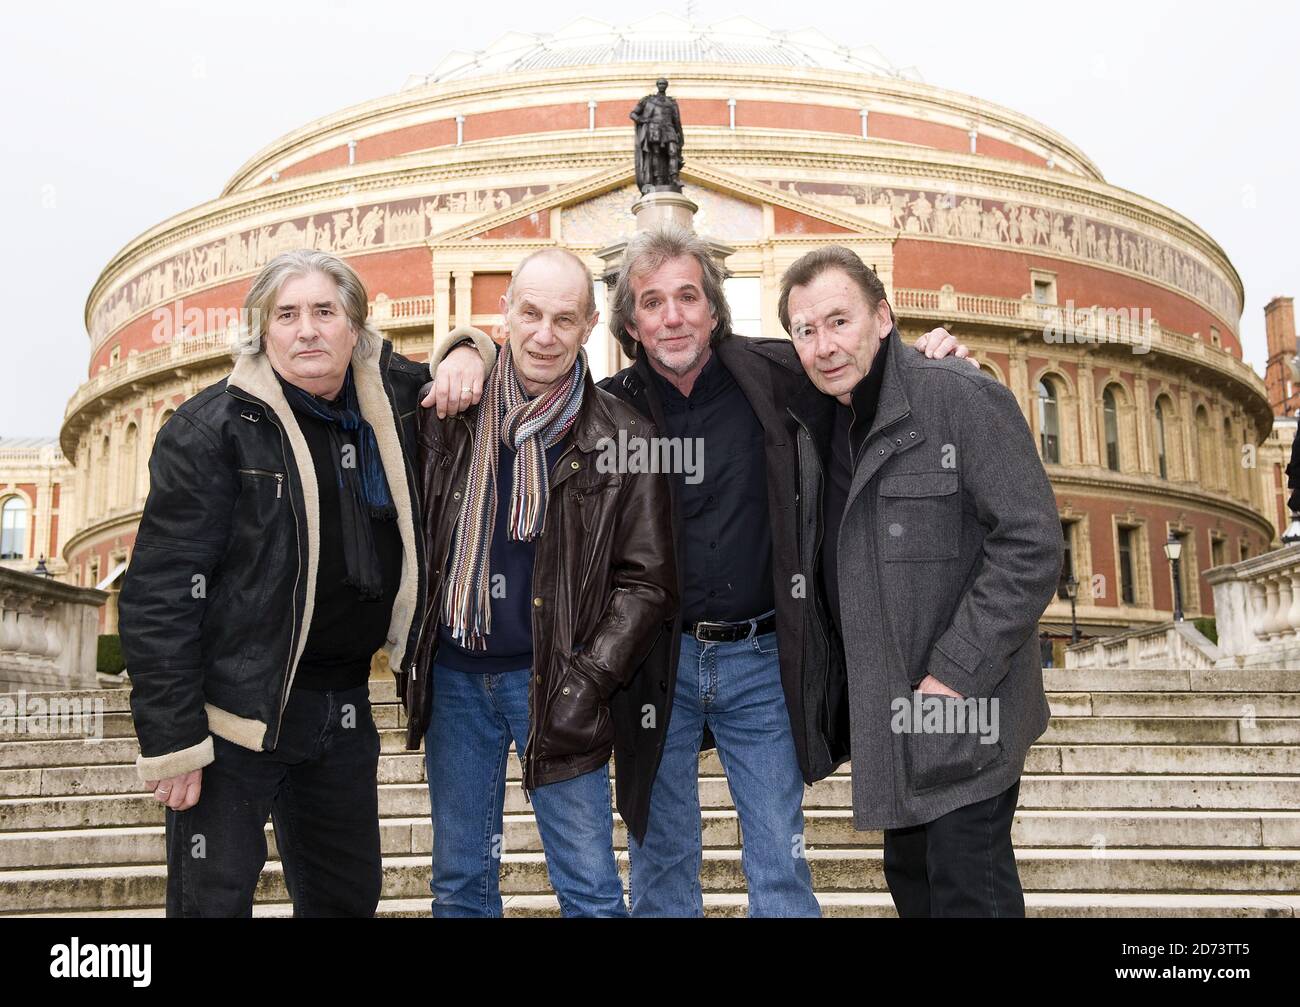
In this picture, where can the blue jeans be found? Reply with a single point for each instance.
(734, 688)
(473, 720)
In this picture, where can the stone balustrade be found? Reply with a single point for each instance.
(1166, 645)
(1257, 609)
(49, 633)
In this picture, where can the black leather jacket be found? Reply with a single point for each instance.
(216, 604)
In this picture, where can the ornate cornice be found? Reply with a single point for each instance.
(592, 152)
(1145, 489)
(505, 89)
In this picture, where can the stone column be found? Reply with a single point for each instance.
(463, 278)
(1187, 421)
(441, 303)
(1142, 407)
(1019, 377)
(1088, 415)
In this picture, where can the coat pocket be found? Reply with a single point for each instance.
(577, 721)
(920, 516)
(952, 753)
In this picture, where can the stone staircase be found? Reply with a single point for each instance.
(1154, 793)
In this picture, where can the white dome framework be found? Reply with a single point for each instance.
(662, 38)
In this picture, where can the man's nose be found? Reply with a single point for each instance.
(306, 326)
(825, 345)
(672, 314)
(544, 334)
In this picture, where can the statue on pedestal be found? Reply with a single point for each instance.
(658, 141)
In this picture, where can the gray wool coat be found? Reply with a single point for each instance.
(949, 551)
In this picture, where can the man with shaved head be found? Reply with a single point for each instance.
(549, 580)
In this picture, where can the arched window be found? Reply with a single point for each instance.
(1110, 413)
(13, 528)
(1162, 455)
(1049, 426)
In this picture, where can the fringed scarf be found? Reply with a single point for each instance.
(506, 415)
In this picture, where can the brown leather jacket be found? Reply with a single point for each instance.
(604, 586)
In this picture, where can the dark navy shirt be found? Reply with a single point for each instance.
(510, 569)
(727, 534)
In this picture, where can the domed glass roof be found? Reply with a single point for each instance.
(662, 38)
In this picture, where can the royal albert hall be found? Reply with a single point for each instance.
(1112, 318)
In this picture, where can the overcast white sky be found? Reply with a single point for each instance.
(119, 115)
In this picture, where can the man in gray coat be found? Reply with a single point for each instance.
(941, 547)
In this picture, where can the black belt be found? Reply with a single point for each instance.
(729, 632)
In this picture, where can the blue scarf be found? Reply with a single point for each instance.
(362, 485)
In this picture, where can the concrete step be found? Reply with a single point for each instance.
(1108, 757)
(849, 905)
(1038, 791)
(720, 830)
(1171, 680)
(1170, 731)
(1248, 706)
(1272, 760)
(1248, 872)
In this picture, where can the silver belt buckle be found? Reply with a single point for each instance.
(706, 626)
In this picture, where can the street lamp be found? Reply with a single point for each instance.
(1072, 592)
(1173, 550)
(1292, 534)
(42, 570)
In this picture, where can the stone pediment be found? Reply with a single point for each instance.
(596, 212)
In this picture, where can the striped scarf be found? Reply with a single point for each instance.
(530, 426)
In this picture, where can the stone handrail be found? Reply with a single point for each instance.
(13, 457)
(48, 633)
(1167, 645)
(1257, 609)
(1090, 324)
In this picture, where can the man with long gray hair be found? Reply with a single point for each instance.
(750, 666)
(278, 551)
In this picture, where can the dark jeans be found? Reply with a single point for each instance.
(961, 864)
(319, 789)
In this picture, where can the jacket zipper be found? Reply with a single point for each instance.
(279, 478)
(293, 629)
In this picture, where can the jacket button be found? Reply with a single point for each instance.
(882, 451)
(565, 690)
(537, 603)
(456, 495)
(574, 465)
(912, 434)
(899, 441)
(539, 679)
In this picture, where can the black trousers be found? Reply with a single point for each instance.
(961, 864)
(318, 787)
